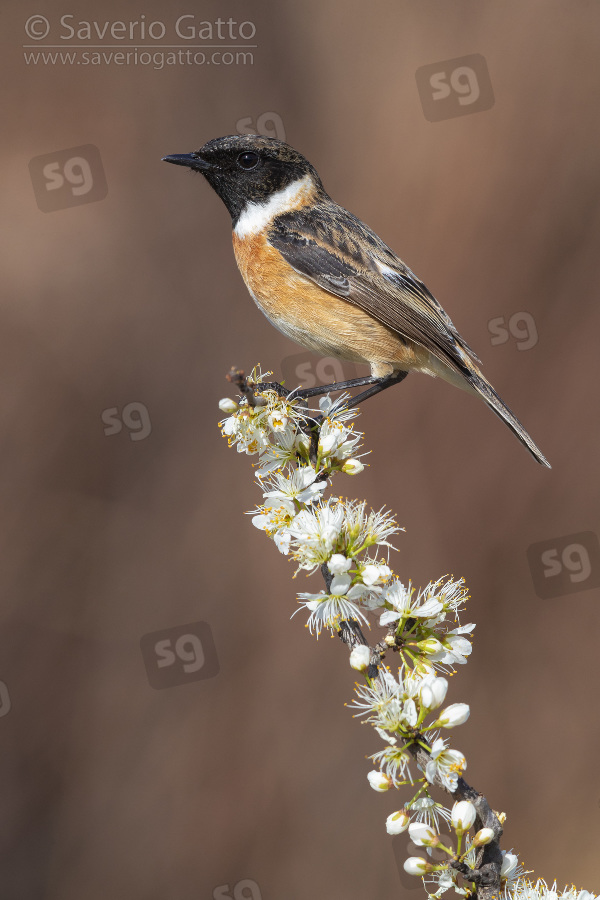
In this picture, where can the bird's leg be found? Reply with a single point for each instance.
(380, 385)
(377, 385)
(336, 386)
(313, 428)
(315, 391)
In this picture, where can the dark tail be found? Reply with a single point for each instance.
(487, 392)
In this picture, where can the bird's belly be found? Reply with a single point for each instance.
(318, 320)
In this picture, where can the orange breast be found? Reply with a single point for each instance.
(316, 319)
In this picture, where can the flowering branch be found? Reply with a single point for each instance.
(299, 451)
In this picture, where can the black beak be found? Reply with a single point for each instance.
(188, 159)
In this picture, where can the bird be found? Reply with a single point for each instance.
(327, 281)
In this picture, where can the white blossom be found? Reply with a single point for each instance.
(339, 534)
(377, 696)
(364, 529)
(510, 861)
(540, 890)
(300, 487)
(400, 598)
(452, 594)
(336, 409)
(276, 455)
(395, 762)
(335, 439)
(444, 880)
(327, 611)
(446, 764)
(277, 421)
(511, 871)
(315, 532)
(395, 713)
(274, 519)
(456, 647)
(430, 812)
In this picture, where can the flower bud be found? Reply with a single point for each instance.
(433, 693)
(360, 658)
(302, 443)
(453, 715)
(227, 405)
(416, 865)
(397, 822)
(463, 816)
(429, 646)
(372, 573)
(483, 837)
(338, 564)
(379, 781)
(329, 442)
(510, 861)
(423, 835)
(352, 467)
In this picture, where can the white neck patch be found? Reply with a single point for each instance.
(257, 215)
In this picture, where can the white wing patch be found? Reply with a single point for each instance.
(256, 216)
(386, 271)
(391, 274)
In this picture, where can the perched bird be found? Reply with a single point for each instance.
(324, 279)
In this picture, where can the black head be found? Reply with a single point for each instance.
(247, 168)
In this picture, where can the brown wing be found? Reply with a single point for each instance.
(341, 254)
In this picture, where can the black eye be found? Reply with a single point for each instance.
(248, 160)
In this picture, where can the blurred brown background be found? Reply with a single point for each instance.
(110, 787)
